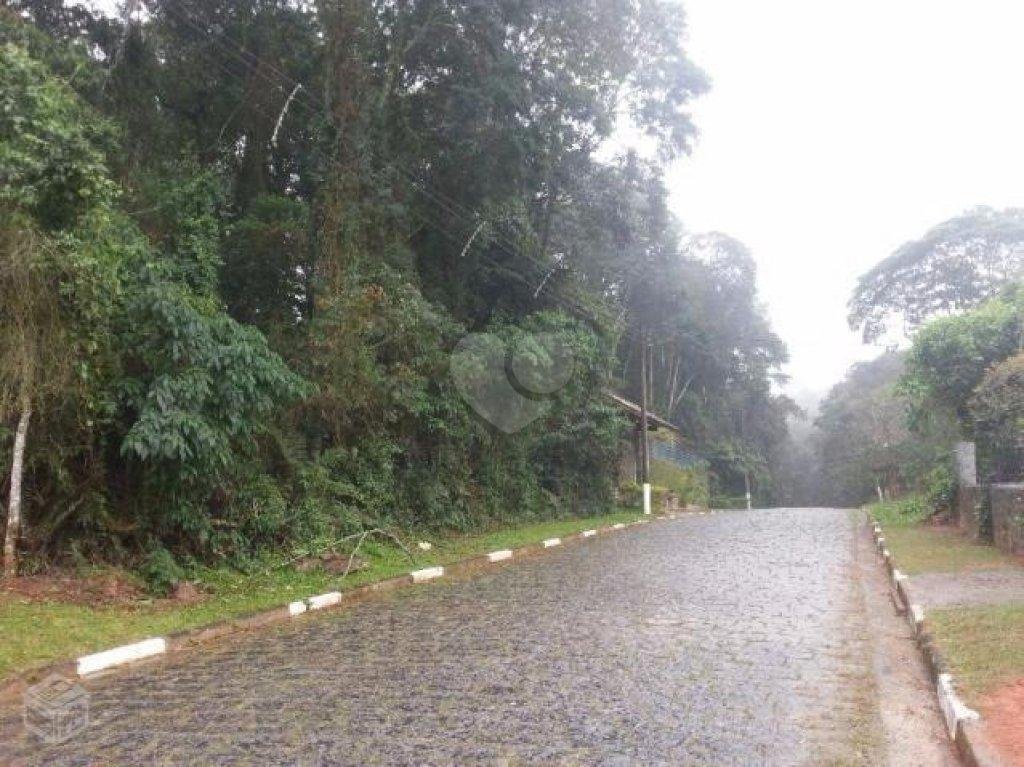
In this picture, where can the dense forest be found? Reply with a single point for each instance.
(956, 297)
(240, 241)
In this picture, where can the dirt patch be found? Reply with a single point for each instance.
(105, 588)
(1003, 714)
(993, 586)
(912, 729)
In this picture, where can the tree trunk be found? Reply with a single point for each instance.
(14, 505)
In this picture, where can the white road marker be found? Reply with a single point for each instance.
(618, 526)
(320, 601)
(297, 608)
(588, 533)
(917, 613)
(426, 574)
(498, 556)
(552, 542)
(953, 709)
(88, 664)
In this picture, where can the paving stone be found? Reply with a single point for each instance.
(732, 639)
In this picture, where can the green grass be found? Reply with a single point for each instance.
(920, 548)
(983, 645)
(35, 633)
(901, 513)
(927, 549)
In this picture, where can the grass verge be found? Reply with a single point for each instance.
(35, 633)
(919, 547)
(984, 645)
(935, 549)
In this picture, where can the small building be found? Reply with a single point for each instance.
(666, 440)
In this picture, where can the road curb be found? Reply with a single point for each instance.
(963, 724)
(148, 649)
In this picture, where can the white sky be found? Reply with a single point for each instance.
(835, 131)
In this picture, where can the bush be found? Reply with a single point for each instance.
(160, 571)
(728, 502)
(940, 488)
(690, 484)
(997, 408)
(902, 512)
(631, 494)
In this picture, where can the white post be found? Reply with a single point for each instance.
(647, 497)
(14, 505)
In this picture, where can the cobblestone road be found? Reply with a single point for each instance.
(737, 638)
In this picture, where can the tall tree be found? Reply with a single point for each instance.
(53, 173)
(956, 266)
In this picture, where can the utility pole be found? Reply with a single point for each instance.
(645, 445)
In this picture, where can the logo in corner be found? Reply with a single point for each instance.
(56, 709)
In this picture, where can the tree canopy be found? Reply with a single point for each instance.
(956, 266)
(268, 225)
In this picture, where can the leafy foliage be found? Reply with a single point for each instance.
(951, 355)
(266, 226)
(52, 162)
(902, 512)
(956, 266)
(865, 442)
(997, 407)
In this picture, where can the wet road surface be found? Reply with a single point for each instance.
(732, 639)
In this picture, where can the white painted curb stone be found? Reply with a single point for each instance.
(498, 556)
(953, 709)
(898, 576)
(426, 574)
(320, 601)
(618, 526)
(917, 616)
(588, 533)
(552, 542)
(297, 608)
(89, 664)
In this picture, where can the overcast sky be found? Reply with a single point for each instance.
(835, 131)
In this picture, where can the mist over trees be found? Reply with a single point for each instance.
(956, 266)
(240, 241)
(888, 428)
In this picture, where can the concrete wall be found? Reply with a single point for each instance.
(1003, 504)
(965, 462)
(970, 508)
(1007, 502)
